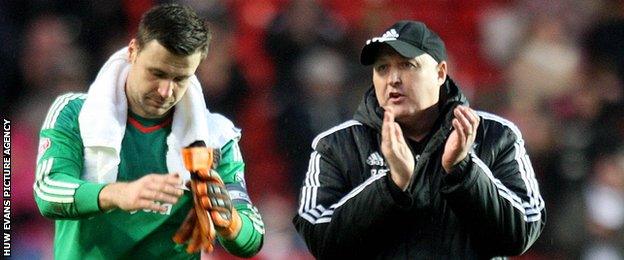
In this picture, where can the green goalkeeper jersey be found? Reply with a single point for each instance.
(83, 231)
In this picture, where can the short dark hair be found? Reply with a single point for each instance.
(178, 28)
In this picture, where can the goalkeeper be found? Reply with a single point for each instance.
(110, 169)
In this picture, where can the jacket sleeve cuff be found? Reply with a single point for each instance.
(86, 198)
(402, 198)
(461, 175)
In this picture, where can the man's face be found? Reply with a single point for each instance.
(157, 79)
(408, 86)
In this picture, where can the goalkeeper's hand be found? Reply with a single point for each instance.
(215, 198)
(197, 229)
(212, 204)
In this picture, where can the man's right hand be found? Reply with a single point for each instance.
(397, 152)
(142, 193)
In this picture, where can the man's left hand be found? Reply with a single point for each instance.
(465, 124)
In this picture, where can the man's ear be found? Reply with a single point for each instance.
(133, 50)
(442, 70)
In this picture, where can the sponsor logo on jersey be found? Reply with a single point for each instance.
(166, 205)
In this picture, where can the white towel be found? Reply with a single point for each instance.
(103, 122)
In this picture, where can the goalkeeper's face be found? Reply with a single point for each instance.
(157, 79)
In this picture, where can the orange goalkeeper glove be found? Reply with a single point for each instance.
(197, 229)
(191, 232)
(212, 204)
(214, 197)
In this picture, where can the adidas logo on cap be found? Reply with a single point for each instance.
(390, 35)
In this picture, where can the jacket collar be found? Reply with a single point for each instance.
(371, 114)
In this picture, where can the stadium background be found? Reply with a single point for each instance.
(286, 70)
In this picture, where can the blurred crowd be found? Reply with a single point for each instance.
(285, 71)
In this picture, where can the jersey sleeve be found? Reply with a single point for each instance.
(231, 169)
(58, 189)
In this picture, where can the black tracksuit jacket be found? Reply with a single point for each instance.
(489, 206)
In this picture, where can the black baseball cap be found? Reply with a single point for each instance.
(408, 38)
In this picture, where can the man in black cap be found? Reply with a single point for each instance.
(417, 173)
